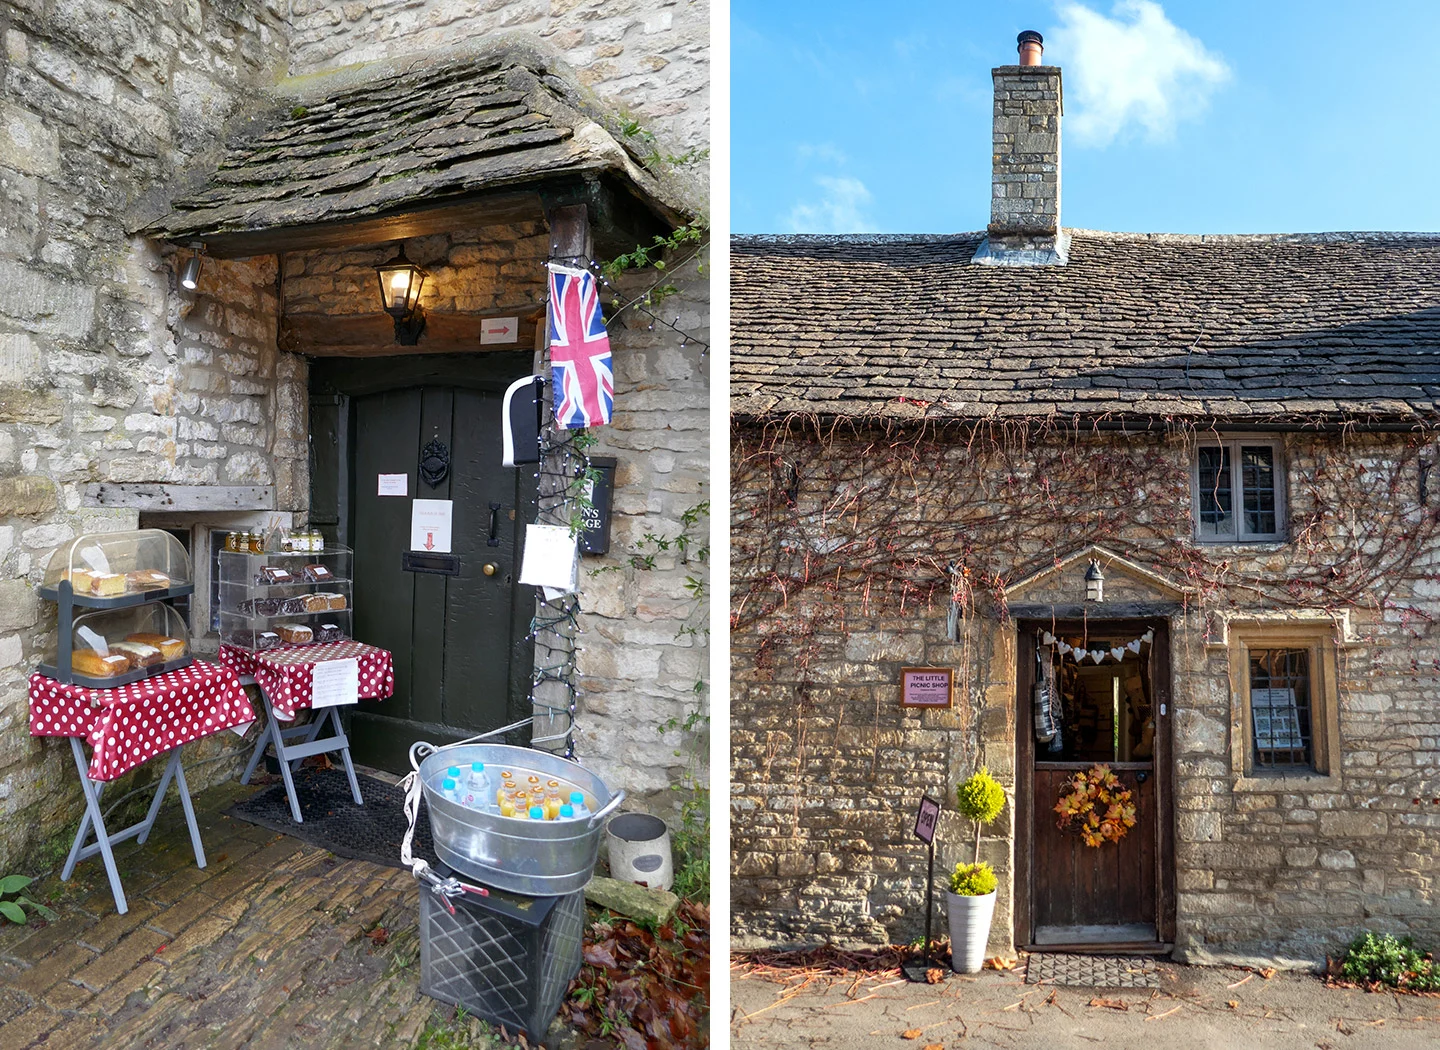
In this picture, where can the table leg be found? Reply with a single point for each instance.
(345, 757)
(259, 751)
(186, 805)
(311, 732)
(95, 817)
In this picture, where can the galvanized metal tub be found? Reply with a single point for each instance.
(539, 858)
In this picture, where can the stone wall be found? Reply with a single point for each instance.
(827, 767)
(106, 373)
(646, 58)
(1025, 182)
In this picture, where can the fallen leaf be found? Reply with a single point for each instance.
(1268, 972)
(912, 1033)
(933, 1046)
(1234, 1004)
(934, 975)
(1110, 1004)
(1000, 963)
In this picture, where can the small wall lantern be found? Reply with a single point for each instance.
(1094, 582)
(400, 284)
(190, 274)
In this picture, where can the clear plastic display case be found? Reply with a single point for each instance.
(280, 598)
(115, 569)
(110, 647)
(128, 579)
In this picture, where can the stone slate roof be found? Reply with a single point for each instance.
(369, 140)
(1265, 330)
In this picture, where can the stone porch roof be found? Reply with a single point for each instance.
(385, 137)
(1248, 330)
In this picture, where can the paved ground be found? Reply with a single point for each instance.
(1194, 1008)
(276, 944)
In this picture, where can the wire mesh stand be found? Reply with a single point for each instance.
(105, 841)
(289, 755)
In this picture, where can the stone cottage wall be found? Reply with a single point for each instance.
(827, 767)
(106, 373)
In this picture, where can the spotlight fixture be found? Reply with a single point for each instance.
(190, 275)
(400, 284)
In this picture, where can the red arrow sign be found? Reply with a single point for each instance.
(429, 541)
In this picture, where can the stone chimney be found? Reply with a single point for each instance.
(1025, 178)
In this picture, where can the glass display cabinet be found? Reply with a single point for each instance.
(277, 598)
(115, 624)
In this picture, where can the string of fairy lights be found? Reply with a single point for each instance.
(560, 485)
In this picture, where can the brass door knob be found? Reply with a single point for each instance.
(490, 568)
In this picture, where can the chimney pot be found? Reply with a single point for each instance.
(1032, 48)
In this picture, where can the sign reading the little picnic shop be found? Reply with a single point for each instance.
(926, 686)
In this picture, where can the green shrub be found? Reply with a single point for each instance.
(980, 798)
(973, 880)
(1391, 961)
(14, 910)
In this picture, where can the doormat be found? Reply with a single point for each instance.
(334, 822)
(1092, 971)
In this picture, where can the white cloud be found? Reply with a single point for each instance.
(1136, 69)
(841, 208)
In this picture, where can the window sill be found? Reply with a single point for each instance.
(1272, 543)
(1296, 782)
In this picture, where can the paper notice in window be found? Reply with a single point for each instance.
(335, 682)
(550, 557)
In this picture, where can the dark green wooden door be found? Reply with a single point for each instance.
(462, 657)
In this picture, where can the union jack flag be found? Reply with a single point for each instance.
(580, 368)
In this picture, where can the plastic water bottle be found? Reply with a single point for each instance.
(537, 813)
(567, 812)
(449, 789)
(477, 786)
(577, 803)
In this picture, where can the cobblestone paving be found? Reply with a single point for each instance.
(276, 944)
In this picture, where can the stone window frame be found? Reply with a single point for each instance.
(1325, 742)
(1233, 443)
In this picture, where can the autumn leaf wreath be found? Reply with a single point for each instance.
(1104, 810)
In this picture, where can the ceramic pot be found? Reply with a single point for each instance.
(639, 846)
(969, 919)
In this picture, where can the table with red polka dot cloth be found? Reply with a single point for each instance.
(286, 674)
(130, 724)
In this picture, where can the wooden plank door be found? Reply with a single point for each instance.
(460, 642)
(1118, 892)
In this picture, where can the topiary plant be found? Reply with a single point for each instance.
(973, 880)
(980, 798)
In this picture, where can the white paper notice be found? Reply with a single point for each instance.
(500, 330)
(394, 485)
(335, 682)
(430, 525)
(550, 557)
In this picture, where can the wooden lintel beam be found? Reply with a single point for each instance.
(493, 209)
(161, 497)
(367, 335)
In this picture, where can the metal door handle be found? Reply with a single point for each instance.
(1141, 777)
(494, 540)
(490, 568)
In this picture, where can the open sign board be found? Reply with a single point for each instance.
(927, 820)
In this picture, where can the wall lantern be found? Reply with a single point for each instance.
(400, 284)
(190, 275)
(1094, 582)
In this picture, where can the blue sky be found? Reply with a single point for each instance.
(1183, 116)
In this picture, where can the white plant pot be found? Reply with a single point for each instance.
(969, 919)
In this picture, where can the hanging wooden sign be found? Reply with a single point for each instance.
(927, 686)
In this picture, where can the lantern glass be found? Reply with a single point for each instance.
(400, 284)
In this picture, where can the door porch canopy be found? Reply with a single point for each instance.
(412, 147)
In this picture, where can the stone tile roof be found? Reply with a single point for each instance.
(1257, 329)
(367, 140)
